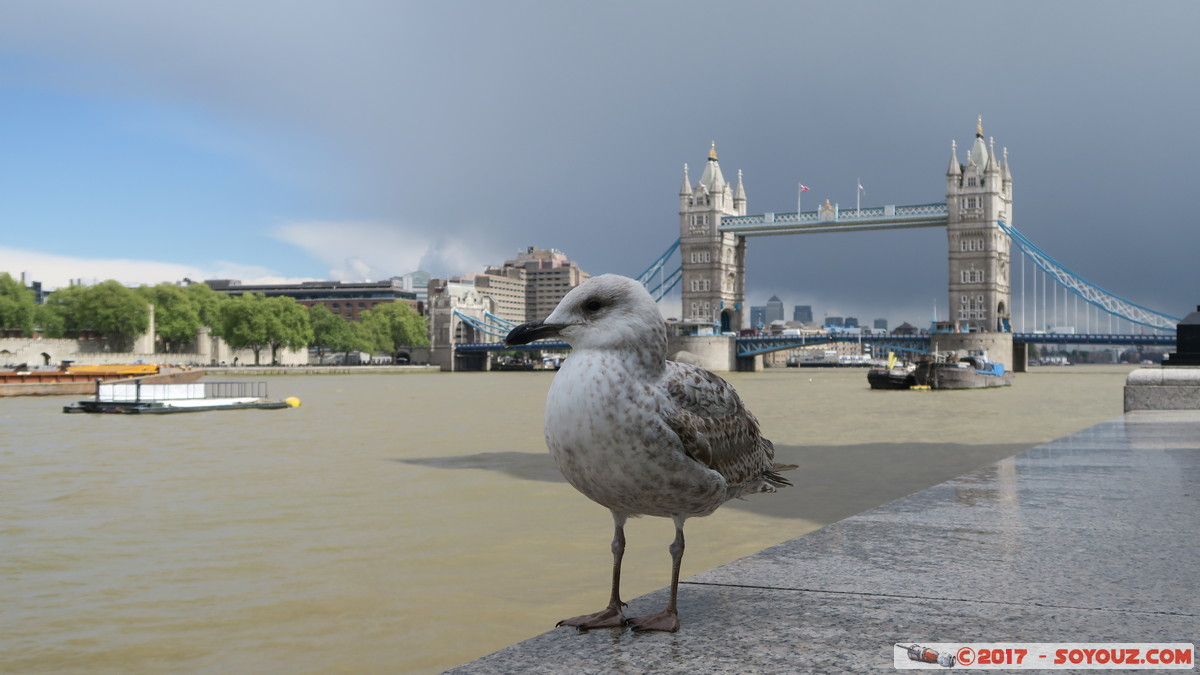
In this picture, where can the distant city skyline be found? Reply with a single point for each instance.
(148, 142)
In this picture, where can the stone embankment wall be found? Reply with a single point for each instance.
(53, 351)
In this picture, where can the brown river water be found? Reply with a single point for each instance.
(410, 523)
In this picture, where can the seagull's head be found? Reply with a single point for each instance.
(604, 312)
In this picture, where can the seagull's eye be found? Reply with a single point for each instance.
(593, 305)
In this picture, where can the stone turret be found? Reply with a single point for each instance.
(713, 262)
(979, 193)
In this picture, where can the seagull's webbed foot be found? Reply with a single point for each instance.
(610, 617)
(666, 621)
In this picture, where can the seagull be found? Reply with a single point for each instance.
(641, 435)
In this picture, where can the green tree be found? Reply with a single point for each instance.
(17, 306)
(176, 315)
(60, 316)
(208, 303)
(108, 309)
(288, 326)
(115, 311)
(332, 332)
(393, 325)
(252, 321)
(243, 323)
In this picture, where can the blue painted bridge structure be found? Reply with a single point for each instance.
(659, 282)
(880, 344)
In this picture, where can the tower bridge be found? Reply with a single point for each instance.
(714, 227)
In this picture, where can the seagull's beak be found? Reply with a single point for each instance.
(534, 330)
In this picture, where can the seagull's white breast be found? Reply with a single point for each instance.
(606, 431)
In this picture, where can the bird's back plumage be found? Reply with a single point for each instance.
(717, 430)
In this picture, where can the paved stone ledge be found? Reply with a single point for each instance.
(1093, 537)
(1163, 388)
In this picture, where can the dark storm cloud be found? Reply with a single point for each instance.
(567, 125)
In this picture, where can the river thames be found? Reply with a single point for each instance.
(410, 523)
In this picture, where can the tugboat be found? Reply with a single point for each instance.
(973, 371)
(891, 376)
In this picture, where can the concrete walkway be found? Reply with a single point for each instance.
(1090, 538)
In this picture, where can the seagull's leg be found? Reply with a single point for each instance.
(611, 616)
(668, 619)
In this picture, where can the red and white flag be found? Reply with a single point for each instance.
(803, 187)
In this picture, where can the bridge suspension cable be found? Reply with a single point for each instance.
(665, 282)
(656, 266)
(497, 329)
(499, 322)
(1105, 300)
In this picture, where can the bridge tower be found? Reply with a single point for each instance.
(978, 193)
(713, 261)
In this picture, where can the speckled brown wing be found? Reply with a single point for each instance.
(717, 430)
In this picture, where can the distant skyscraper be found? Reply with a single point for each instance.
(528, 286)
(548, 274)
(881, 324)
(774, 310)
(758, 316)
(833, 321)
(802, 313)
(417, 282)
(851, 322)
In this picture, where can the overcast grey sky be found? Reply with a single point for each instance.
(149, 141)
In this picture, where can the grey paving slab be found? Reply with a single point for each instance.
(1062, 567)
(755, 630)
(1089, 538)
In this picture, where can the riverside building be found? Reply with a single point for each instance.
(524, 288)
(346, 299)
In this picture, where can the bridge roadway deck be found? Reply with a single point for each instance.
(1089, 538)
(758, 345)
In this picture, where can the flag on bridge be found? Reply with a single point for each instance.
(803, 187)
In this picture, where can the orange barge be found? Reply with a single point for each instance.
(82, 379)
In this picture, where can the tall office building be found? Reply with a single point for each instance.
(507, 288)
(802, 313)
(774, 310)
(529, 286)
(417, 282)
(548, 275)
(758, 316)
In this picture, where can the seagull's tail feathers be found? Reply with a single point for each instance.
(771, 476)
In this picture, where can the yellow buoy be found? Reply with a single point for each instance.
(292, 401)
